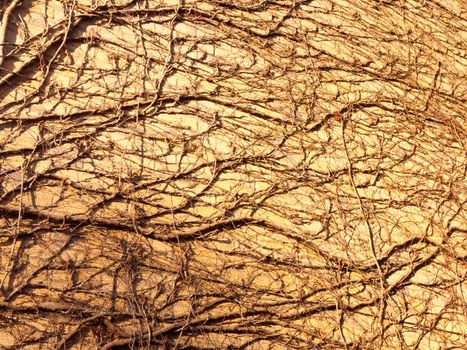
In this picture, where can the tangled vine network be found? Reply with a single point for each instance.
(233, 174)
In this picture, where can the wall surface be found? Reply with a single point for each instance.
(233, 174)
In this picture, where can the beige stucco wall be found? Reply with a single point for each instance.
(280, 175)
